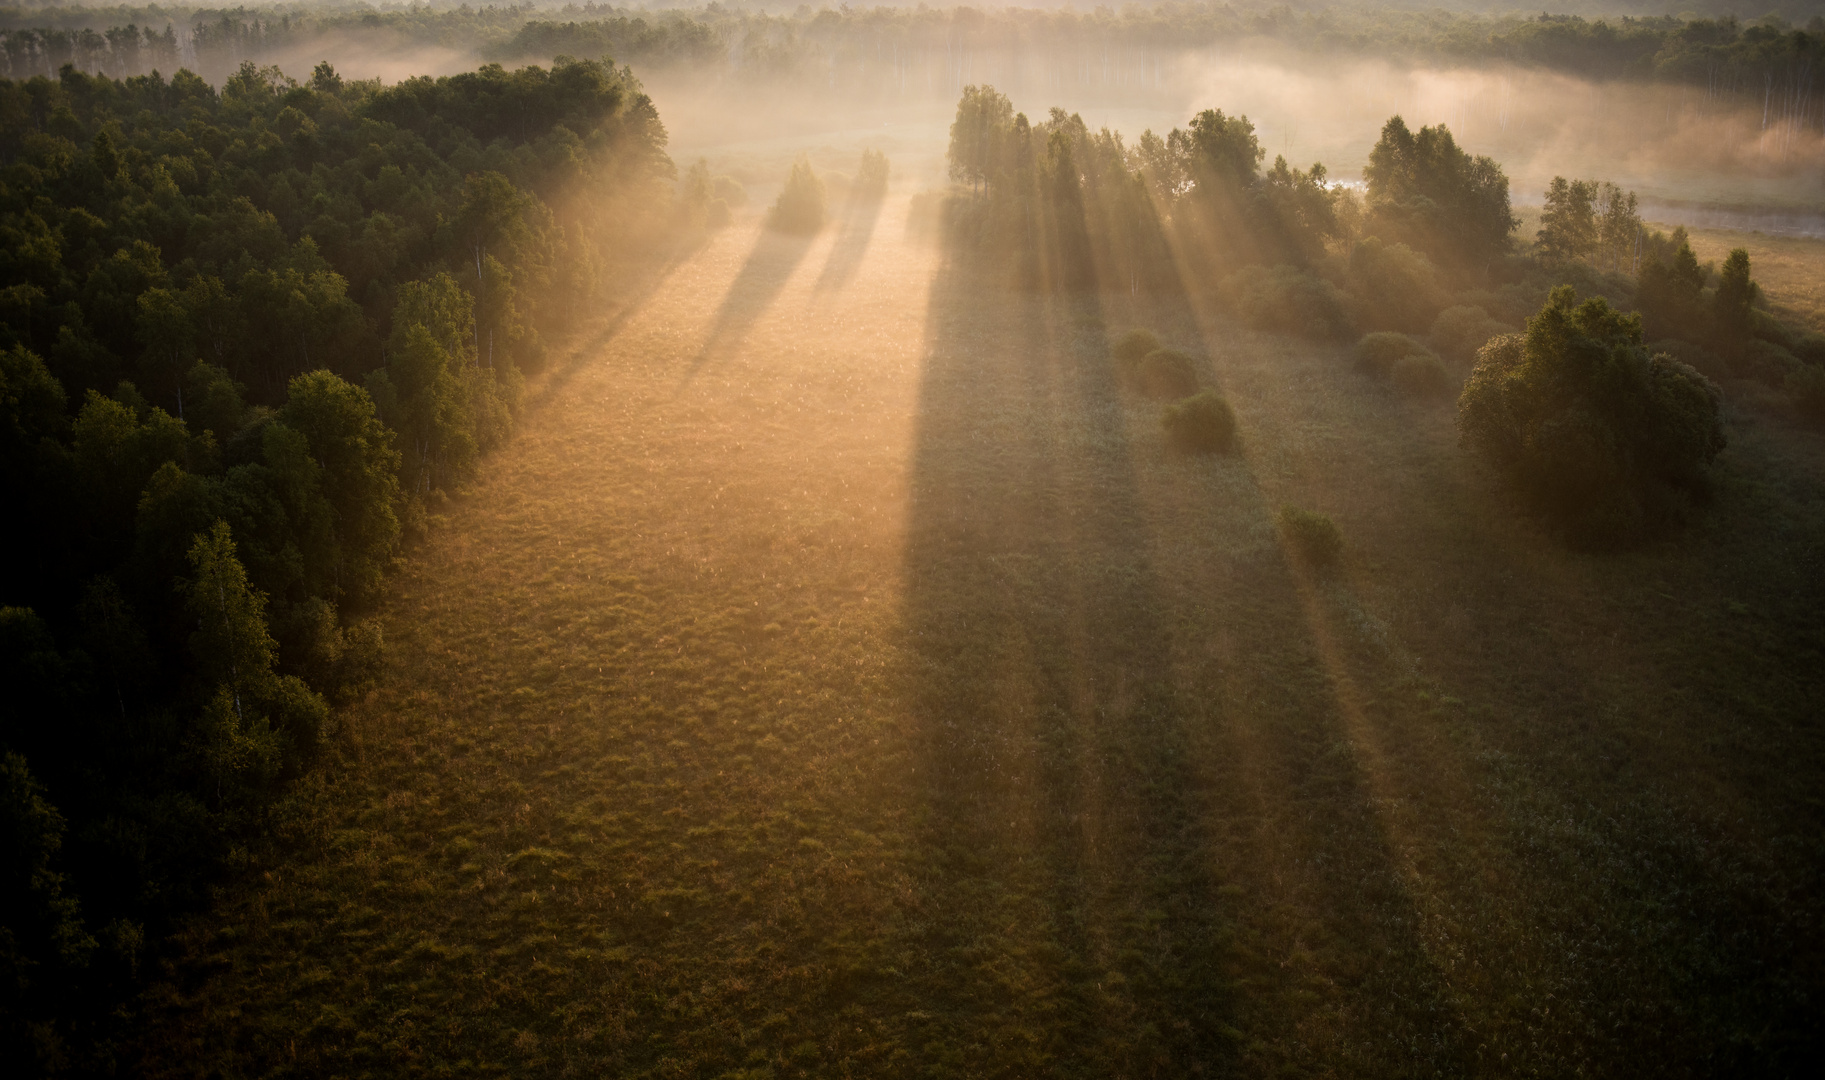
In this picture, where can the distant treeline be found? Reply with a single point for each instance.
(248, 338)
(899, 50)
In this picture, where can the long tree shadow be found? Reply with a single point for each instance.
(769, 266)
(1073, 913)
(860, 213)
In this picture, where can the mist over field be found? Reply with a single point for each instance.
(755, 540)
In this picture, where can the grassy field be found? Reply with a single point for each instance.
(838, 677)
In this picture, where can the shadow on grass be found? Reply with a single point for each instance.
(769, 266)
(860, 213)
(1077, 921)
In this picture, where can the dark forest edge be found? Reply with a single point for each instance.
(872, 49)
(248, 342)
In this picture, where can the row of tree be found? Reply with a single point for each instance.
(894, 49)
(246, 338)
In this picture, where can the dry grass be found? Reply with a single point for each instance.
(843, 679)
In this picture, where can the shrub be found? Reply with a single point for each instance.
(1129, 350)
(1167, 373)
(1287, 300)
(1422, 375)
(800, 206)
(1707, 363)
(1377, 353)
(1809, 346)
(1587, 426)
(729, 190)
(1310, 537)
(1764, 361)
(1396, 287)
(1459, 332)
(1201, 424)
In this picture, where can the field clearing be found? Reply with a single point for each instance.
(838, 677)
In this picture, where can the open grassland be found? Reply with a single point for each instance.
(1790, 269)
(839, 677)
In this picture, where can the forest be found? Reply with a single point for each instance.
(1020, 595)
(252, 337)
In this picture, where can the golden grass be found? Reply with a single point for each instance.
(838, 677)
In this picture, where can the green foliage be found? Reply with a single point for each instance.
(1422, 375)
(1311, 538)
(1201, 424)
(801, 204)
(1668, 291)
(43, 944)
(1425, 191)
(1586, 425)
(1376, 353)
(1568, 224)
(1732, 306)
(1396, 288)
(1288, 300)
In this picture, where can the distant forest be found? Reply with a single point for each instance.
(918, 50)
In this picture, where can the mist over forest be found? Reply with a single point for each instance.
(759, 540)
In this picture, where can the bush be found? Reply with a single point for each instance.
(1287, 300)
(1311, 538)
(1806, 386)
(729, 190)
(1167, 373)
(1396, 287)
(1578, 417)
(1128, 351)
(1422, 375)
(1764, 361)
(1201, 424)
(1459, 332)
(1705, 361)
(1377, 353)
(800, 207)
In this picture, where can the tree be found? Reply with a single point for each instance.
(360, 475)
(800, 207)
(1732, 308)
(1588, 427)
(1568, 225)
(1618, 226)
(1221, 152)
(984, 117)
(1426, 191)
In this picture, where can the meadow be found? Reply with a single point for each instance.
(839, 676)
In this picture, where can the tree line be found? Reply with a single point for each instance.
(248, 339)
(1604, 414)
(897, 50)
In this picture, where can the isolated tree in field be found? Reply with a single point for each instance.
(801, 204)
(978, 134)
(1426, 191)
(1568, 224)
(1586, 425)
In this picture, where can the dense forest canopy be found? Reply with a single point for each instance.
(248, 338)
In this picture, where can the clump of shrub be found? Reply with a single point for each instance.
(1806, 387)
(1460, 331)
(1396, 288)
(1311, 537)
(1377, 353)
(1607, 440)
(1166, 374)
(1130, 349)
(801, 204)
(1405, 362)
(1201, 424)
(1421, 375)
(1287, 300)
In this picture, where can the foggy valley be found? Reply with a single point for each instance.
(763, 540)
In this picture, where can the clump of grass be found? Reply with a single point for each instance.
(1201, 424)
(1128, 352)
(1166, 374)
(1312, 537)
